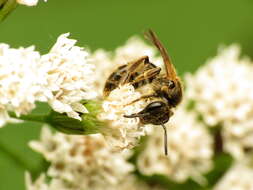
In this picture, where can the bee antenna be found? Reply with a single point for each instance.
(170, 70)
(165, 140)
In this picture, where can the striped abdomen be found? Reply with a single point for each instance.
(118, 77)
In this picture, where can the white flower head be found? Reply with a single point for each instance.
(189, 149)
(29, 2)
(222, 88)
(69, 77)
(20, 80)
(238, 137)
(123, 132)
(130, 182)
(223, 92)
(239, 176)
(62, 78)
(104, 66)
(81, 162)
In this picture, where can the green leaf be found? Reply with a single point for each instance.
(169, 184)
(16, 157)
(222, 162)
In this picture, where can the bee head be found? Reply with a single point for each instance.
(156, 113)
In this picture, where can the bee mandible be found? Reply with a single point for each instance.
(166, 88)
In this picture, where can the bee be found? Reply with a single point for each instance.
(166, 88)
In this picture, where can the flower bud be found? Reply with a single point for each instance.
(88, 125)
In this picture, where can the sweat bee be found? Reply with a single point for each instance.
(166, 88)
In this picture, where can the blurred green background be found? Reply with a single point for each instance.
(191, 31)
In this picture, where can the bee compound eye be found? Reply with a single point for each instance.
(155, 105)
(151, 109)
(171, 84)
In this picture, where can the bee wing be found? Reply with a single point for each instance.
(133, 67)
(170, 69)
(135, 71)
(146, 75)
(128, 73)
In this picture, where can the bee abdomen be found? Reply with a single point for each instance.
(114, 79)
(112, 83)
(109, 86)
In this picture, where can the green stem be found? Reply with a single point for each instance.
(31, 117)
(6, 6)
(2, 2)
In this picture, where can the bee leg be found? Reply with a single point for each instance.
(142, 97)
(133, 67)
(145, 76)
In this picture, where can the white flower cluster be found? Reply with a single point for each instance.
(190, 149)
(81, 162)
(129, 183)
(20, 80)
(223, 87)
(123, 132)
(62, 78)
(107, 62)
(69, 77)
(104, 67)
(239, 177)
(223, 92)
(28, 2)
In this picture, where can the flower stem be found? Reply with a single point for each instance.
(6, 6)
(89, 124)
(30, 117)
